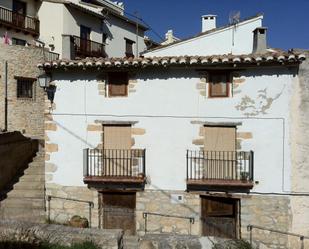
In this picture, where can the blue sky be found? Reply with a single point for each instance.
(287, 20)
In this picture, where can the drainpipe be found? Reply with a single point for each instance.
(6, 96)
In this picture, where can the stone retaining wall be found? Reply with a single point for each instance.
(61, 235)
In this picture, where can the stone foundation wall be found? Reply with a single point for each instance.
(166, 203)
(61, 210)
(25, 115)
(266, 211)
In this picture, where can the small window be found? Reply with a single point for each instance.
(117, 84)
(129, 48)
(20, 42)
(105, 37)
(219, 84)
(24, 87)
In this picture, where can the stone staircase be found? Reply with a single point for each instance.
(26, 201)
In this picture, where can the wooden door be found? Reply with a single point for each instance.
(219, 217)
(219, 153)
(19, 13)
(117, 144)
(119, 211)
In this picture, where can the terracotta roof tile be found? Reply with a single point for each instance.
(233, 60)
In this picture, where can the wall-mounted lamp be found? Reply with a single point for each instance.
(44, 80)
(50, 87)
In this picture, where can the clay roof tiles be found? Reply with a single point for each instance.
(214, 60)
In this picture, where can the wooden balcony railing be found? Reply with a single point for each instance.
(14, 20)
(87, 48)
(220, 168)
(114, 165)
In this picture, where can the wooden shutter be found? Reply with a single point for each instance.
(117, 137)
(220, 138)
(219, 85)
(117, 84)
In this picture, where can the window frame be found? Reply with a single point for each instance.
(20, 89)
(228, 82)
(128, 41)
(109, 83)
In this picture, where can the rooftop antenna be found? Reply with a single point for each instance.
(234, 17)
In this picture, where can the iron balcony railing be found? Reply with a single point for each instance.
(114, 163)
(220, 165)
(51, 56)
(87, 48)
(18, 21)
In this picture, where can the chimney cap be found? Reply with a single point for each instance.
(209, 15)
(260, 28)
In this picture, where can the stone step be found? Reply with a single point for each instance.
(26, 193)
(34, 171)
(32, 178)
(37, 164)
(12, 202)
(29, 184)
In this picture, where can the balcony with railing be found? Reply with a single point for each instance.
(87, 48)
(220, 170)
(19, 22)
(115, 167)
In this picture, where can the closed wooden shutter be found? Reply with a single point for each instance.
(117, 84)
(117, 151)
(219, 152)
(219, 85)
(220, 138)
(117, 137)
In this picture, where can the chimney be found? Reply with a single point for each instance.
(259, 40)
(208, 22)
(169, 36)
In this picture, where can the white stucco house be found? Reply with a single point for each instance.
(18, 21)
(72, 28)
(194, 137)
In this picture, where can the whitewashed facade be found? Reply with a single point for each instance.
(19, 22)
(168, 106)
(107, 24)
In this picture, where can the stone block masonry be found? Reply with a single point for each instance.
(61, 211)
(25, 115)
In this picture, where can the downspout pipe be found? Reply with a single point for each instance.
(6, 96)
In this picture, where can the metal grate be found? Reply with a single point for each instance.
(25, 88)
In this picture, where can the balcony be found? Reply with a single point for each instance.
(113, 169)
(87, 48)
(19, 22)
(220, 171)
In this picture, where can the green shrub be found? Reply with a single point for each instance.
(23, 245)
(233, 244)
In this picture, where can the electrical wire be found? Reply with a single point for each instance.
(148, 26)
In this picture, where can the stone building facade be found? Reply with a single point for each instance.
(25, 114)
